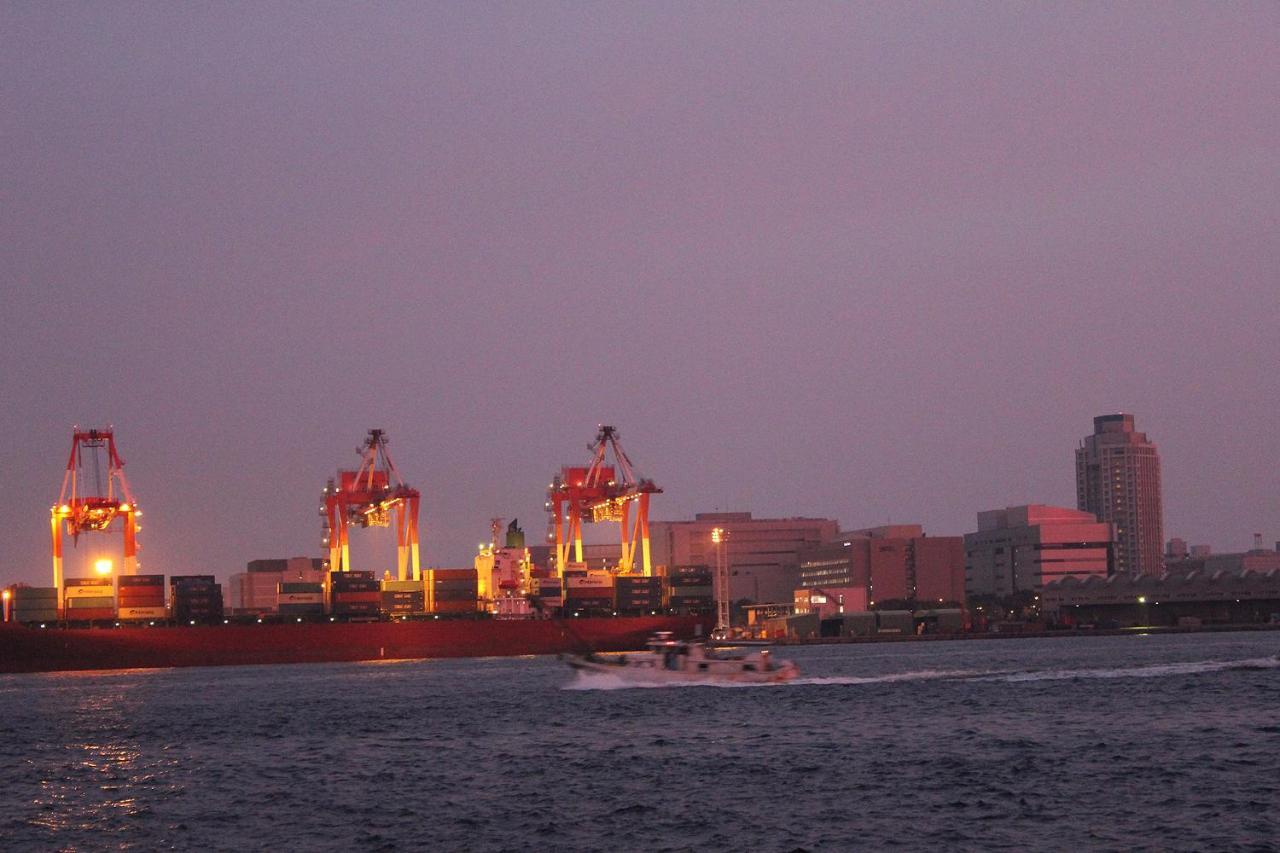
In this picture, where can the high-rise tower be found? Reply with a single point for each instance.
(1118, 480)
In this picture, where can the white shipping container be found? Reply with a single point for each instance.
(89, 592)
(142, 613)
(590, 582)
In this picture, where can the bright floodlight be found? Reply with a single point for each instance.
(102, 567)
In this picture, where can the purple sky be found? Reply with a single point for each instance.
(864, 261)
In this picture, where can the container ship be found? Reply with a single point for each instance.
(139, 621)
(305, 610)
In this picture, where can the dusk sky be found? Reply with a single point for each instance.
(863, 261)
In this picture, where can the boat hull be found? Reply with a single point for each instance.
(25, 649)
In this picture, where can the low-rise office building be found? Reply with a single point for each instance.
(1021, 548)
(891, 563)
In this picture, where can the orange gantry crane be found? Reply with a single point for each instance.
(88, 503)
(601, 492)
(368, 497)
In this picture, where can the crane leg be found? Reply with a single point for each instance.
(642, 522)
(57, 559)
(628, 542)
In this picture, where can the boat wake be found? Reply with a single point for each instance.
(608, 681)
(1158, 670)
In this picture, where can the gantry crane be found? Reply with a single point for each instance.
(601, 492)
(88, 503)
(368, 497)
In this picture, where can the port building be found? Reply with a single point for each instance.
(1174, 598)
(1258, 559)
(891, 563)
(1118, 480)
(1021, 548)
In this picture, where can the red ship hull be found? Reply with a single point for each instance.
(49, 650)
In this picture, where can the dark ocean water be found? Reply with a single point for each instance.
(1106, 743)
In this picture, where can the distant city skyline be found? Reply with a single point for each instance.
(868, 262)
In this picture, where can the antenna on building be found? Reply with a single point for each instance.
(1257, 541)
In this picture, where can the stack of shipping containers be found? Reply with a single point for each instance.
(588, 593)
(195, 599)
(451, 591)
(404, 598)
(688, 589)
(300, 600)
(32, 604)
(548, 592)
(140, 597)
(88, 599)
(637, 594)
(354, 595)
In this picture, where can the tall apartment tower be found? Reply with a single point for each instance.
(1118, 480)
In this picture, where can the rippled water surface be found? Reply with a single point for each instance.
(1115, 743)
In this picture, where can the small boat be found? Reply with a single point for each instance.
(671, 661)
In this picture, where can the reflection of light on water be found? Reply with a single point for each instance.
(385, 661)
(100, 673)
(94, 786)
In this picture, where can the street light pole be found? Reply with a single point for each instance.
(721, 588)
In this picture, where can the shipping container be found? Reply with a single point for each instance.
(690, 601)
(141, 593)
(598, 582)
(302, 610)
(646, 602)
(70, 582)
(33, 593)
(91, 614)
(368, 576)
(174, 580)
(362, 596)
(35, 616)
(450, 574)
(87, 591)
(197, 599)
(86, 602)
(139, 580)
(356, 586)
(142, 613)
(455, 607)
(701, 589)
(295, 586)
(692, 569)
(638, 582)
(41, 605)
(690, 580)
(348, 608)
(454, 596)
(300, 598)
(402, 586)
